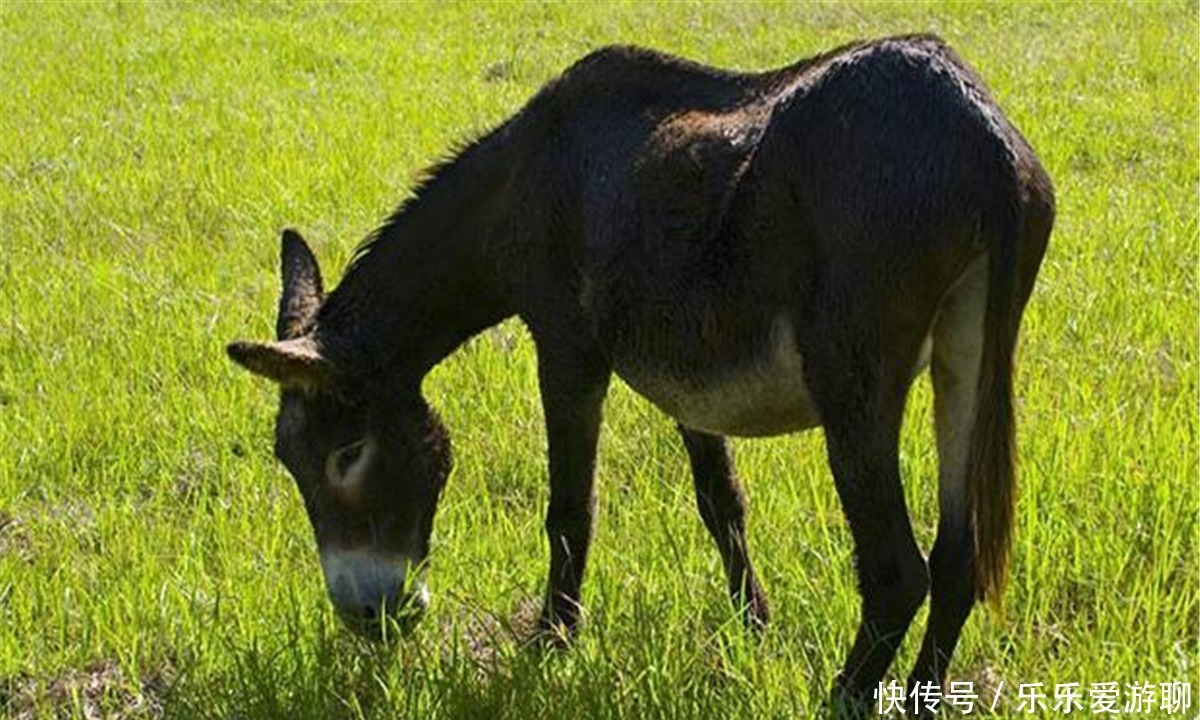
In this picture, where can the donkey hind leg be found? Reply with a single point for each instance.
(573, 385)
(723, 509)
(862, 420)
(957, 351)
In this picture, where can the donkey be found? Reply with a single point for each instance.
(755, 254)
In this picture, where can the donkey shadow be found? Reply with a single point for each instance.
(481, 666)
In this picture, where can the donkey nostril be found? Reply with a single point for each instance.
(369, 612)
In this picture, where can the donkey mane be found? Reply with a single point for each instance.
(395, 266)
(441, 174)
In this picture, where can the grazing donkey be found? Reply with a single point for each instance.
(756, 254)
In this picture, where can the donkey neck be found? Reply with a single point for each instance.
(419, 286)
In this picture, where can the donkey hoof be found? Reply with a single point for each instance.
(756, 613)
(553, 639)
(847, 702)
(555, 632)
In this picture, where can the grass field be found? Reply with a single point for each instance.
(155, 559)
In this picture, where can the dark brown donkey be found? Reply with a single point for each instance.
(756, 254)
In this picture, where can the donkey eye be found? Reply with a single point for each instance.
(348, 457)
(344, 459)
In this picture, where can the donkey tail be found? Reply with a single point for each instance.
(991, 480)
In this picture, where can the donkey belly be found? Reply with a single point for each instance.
(764, 395)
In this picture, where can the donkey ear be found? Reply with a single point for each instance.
(295, 364)
(302, 292)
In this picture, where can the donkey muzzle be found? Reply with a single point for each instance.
(368, 587)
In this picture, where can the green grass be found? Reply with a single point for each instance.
(154, 557)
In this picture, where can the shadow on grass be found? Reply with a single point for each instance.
(475, 667)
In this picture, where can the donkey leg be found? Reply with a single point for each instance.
(957, 350)
(892, 575)
(723, 509)
(862, 413)
(573, 385)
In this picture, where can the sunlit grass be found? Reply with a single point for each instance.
(151, 547)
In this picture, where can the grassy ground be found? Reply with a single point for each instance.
(155, 558)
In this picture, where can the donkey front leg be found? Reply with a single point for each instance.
(573, 385)
(723, 509)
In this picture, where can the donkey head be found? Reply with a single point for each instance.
(370, 462)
